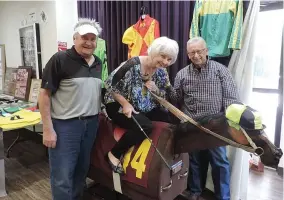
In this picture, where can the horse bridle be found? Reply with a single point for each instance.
(258, 151)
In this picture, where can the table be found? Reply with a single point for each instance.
(23, 134)
(2, 167)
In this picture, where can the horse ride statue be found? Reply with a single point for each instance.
(158, 167)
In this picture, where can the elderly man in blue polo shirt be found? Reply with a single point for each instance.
(69, 103)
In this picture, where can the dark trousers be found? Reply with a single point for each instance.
(70, 160)
(220, 172)
(133, 134)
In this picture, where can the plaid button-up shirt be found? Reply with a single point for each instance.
(205, 92)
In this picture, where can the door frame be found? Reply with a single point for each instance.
(3, 63)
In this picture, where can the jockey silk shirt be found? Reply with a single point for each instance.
(220, 24)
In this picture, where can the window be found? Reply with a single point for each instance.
(268, 49)
(267, 68)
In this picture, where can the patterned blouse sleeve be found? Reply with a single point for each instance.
(119, 80)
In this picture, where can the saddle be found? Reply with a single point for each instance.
(147, 176)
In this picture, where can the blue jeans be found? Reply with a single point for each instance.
(69, 161)
(220, 172)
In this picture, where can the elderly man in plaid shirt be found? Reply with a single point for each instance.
(203, 88)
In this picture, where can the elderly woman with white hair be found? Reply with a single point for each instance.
(128, 94)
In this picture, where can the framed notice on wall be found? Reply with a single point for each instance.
(62, 46)
(30, 49)
(10, 81)
(34, 90)
(23, 83)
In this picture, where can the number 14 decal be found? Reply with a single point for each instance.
(138, 161)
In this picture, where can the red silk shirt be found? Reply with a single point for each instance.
(139, 36)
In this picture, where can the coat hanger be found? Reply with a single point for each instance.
(143, 12)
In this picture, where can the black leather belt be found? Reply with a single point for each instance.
(84, 117)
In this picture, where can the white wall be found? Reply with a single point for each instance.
(66, 18)
(61, 18)
(14, 15)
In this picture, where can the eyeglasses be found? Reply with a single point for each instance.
(198, 52)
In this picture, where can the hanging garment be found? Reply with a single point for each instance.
(139, 36)
(220, 24)
(223, 60)
(100, 51)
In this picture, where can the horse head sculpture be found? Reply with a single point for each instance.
(271, 154)
(252, 139)
(240, 126)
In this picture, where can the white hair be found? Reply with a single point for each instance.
(87, 21)
(164, 45)
(195, 40)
